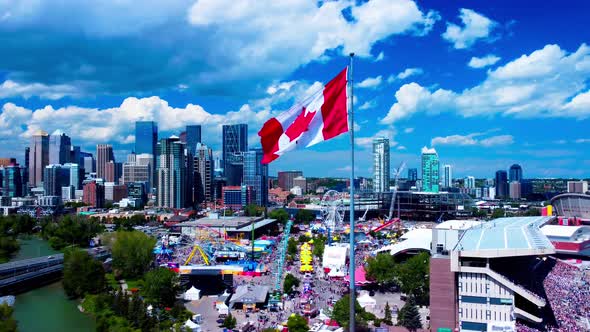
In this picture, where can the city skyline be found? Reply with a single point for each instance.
(475, 80)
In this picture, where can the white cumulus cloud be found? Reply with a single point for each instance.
(486, 61)
(549, 82)
(472, 140)
(408, 72)
(475, 27)
(370, 83)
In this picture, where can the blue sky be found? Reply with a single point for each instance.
(487, 83)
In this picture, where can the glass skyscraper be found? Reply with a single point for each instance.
(60, 145)
(38, 157)
(256, 176)
(430, 170)
(515, 173)
(12, 185)
(235, 142)
(447, 176)
(381, 164)
(193, 137)
(146, 137)
(501, 184)
(171, 173)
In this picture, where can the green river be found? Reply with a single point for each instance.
(47, 308)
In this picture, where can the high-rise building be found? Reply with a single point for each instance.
(146, 137)
(193, 137)
(447, 176)
(146, 159)
(203, 170)
(469, 182)
(412, 174)
(236, 197)
(55, 177)
(132, 172)
(515, 173)
(76, 175)
(104, 153)
(515, 192)
(60, 145)
(235, 142)
(76, 155)
(113, 172)
(285, 179)
(381, 164)
(171, 173)
(114, 192)
(256, 176)
(7, 161)
(137, 190)
(89, 164)
(93, 194)
(501, 184)
(430, 170)
(301, 182)
(25, 174)
(12, 183)
(38, 157)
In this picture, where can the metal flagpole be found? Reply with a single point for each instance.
(351, 324)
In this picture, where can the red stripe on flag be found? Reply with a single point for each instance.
(269, 138)
(334, 110)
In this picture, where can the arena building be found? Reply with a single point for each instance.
(572, 205)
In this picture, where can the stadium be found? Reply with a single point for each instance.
(572, 205)
(506, 275)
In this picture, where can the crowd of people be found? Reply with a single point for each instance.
(569, 296)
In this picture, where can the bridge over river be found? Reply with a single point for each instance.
(22, 275)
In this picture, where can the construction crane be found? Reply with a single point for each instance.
(396, 174)
(363, 218)
(276, 296)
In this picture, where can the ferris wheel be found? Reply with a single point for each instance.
(332, 209)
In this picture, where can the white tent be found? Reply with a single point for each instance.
(192, 294)
(192, 325)
(322, 316)
(222, 309)
(365, 300)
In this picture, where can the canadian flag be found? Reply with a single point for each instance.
(320, 117)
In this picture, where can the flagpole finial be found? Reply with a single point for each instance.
(351, 54)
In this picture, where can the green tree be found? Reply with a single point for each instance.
(161, 286)
(304, 216)
(7, 322)
(381, 268)
(132, 253)
(253, 210)
(82, 274)
(498, 213)
(290, 282)
(280, 215)
(70, 230)
(341, 313)
(297, 323)
(409, 317)
(533, 212)
(387, 318)
(292, 247)
(319, 243)
(229, 322)
(303, 238)
(413, 277)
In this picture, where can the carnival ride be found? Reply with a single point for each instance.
(390, 220)
(275, 298)
(213, 245)
(332, 212)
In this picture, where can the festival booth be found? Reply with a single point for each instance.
(360, 277)
(192, 294)
(222, 309)
(192, 326)
(366, 301)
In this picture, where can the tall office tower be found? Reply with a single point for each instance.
(235, 142)
(38, 157)
(146, 137)
(93, 194)
(447, 176)
(113, 172)
(515, 173)
(256, 176)
(381, 164)
(146, 159)
(60, 145)
(133, 172)
(104, 153)
(171, 173)
(56, 176)
(76, 155)
(285, 179)
(89, 164)
(12, 183)
(193, 137)
(515, 190)
(501, 184)
(469, 182)
(25, 174)
(430, 170)
(76, 175)
(203, 170)
(412, 174)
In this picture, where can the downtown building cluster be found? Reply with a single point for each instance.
(175, 172)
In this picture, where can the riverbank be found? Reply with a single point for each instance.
(47, 308)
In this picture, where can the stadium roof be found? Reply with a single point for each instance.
(504, 237)
(416, 239)
(458, 224)
(560, 231)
